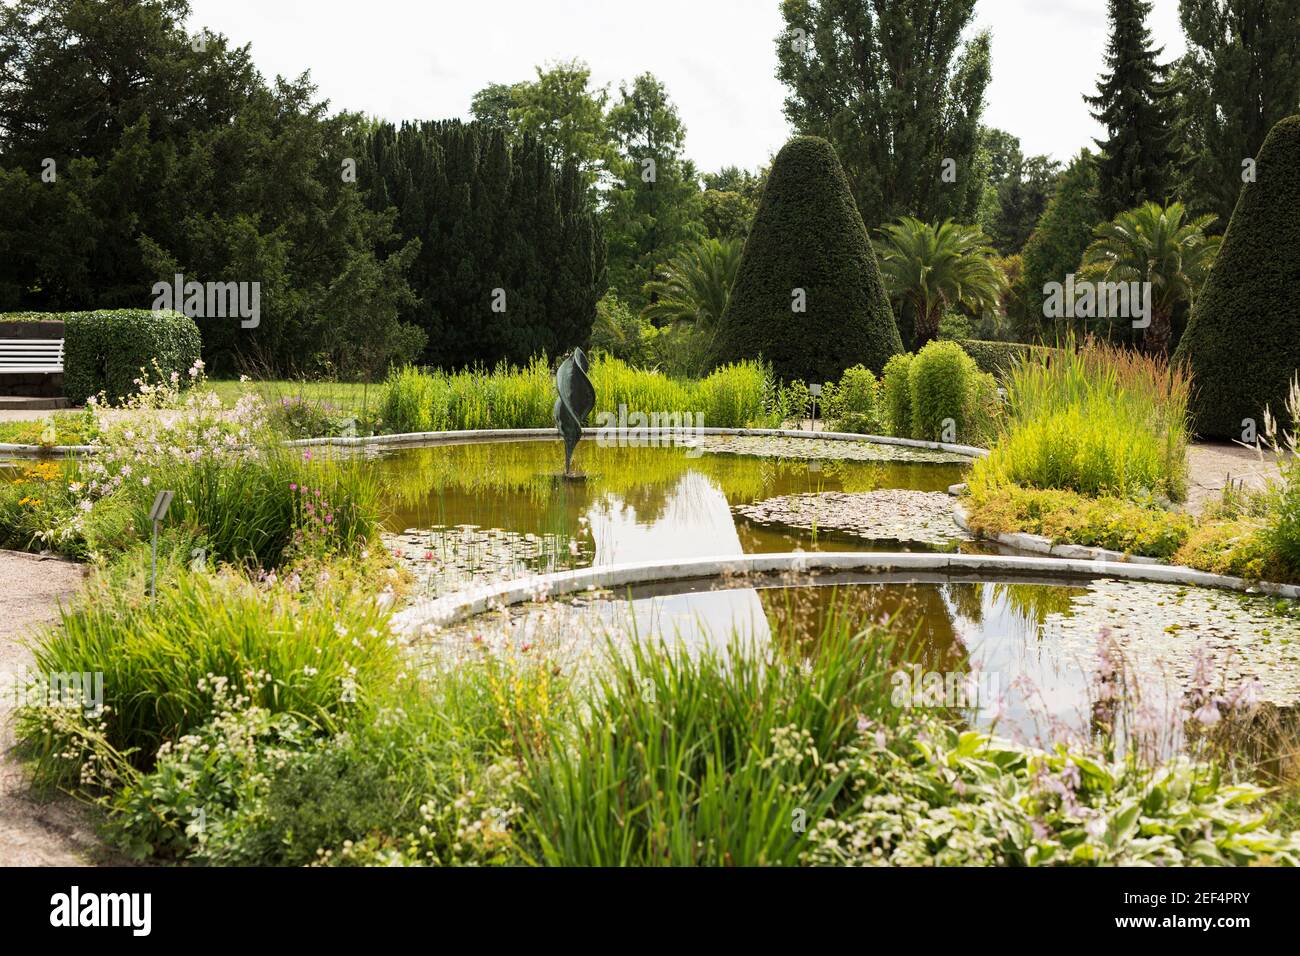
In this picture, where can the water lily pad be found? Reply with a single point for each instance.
(917, 517)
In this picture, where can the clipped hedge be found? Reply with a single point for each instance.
(998, 358)
(808, 235)
(104, 351)
(896, 405)
(1243, 338)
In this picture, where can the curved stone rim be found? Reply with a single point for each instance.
(450, 609)
(501, 434)
(1039, 544)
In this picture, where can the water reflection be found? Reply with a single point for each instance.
(634, 504)
(999, 634)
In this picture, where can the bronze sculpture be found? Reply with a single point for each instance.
(576, 398)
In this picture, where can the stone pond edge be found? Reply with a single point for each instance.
(490, 434)
(440, 612)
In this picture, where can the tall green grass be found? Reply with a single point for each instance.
(414, 400)
(713, 758)
(166, 662)
(1098, 420)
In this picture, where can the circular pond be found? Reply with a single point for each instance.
(480, 510)
(1026, 653)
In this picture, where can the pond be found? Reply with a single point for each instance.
(501, 509)
(1028, 653)
(1030, 650)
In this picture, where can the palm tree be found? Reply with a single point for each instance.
(695, 285)
(1155, 244)
(937, 268)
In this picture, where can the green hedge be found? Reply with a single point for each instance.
(104, 351)
(997, 358)
(1243, 338)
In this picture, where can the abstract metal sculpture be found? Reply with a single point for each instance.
(577, 397)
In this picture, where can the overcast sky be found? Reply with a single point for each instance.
(424, 59)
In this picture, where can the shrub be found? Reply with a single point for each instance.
(259, 509)
(998, 358)
(1239, 548)
(896, 383)
(808, 235)
(106, 351)
(620, 333)
(732, 396)
(1070, 518)
(298, 418)
(942, 384)
(854, 405)
(1242, 343)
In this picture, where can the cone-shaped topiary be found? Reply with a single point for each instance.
(808, 296)
(1242, 342)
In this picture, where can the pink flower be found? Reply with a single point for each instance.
(428, 555)
(293, 486)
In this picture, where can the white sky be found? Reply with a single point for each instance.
(424, 59)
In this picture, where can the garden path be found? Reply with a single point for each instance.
(34, 832)
(1211, 465)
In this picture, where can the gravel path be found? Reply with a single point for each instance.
(1211, 465)
(34, 831)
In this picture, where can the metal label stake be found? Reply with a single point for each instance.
(156, 514)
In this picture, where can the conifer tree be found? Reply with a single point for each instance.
(1134, 104)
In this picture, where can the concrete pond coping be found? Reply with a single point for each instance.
(452, 608)
(517, 434)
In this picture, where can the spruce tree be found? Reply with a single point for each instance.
(1134, 103)
(1240, 76)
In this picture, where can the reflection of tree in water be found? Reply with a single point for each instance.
(917, 618)
(967, 600)
(1032, 604)
(516, 484)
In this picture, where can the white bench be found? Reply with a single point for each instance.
(31, 355)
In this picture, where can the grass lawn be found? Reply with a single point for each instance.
(355, 397)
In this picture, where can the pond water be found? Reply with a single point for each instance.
(1026, 654)
(501, 508)
(469, 512)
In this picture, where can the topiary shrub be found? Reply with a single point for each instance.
(854, 403)
(105, 351)
(942, 385)
(1242, 343)
(896, 385)
(808, 249)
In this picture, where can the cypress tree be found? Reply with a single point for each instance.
(1242, 342)
(1134, 104)
(808, 295)
(489, 216)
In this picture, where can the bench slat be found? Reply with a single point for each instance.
(23, 356)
